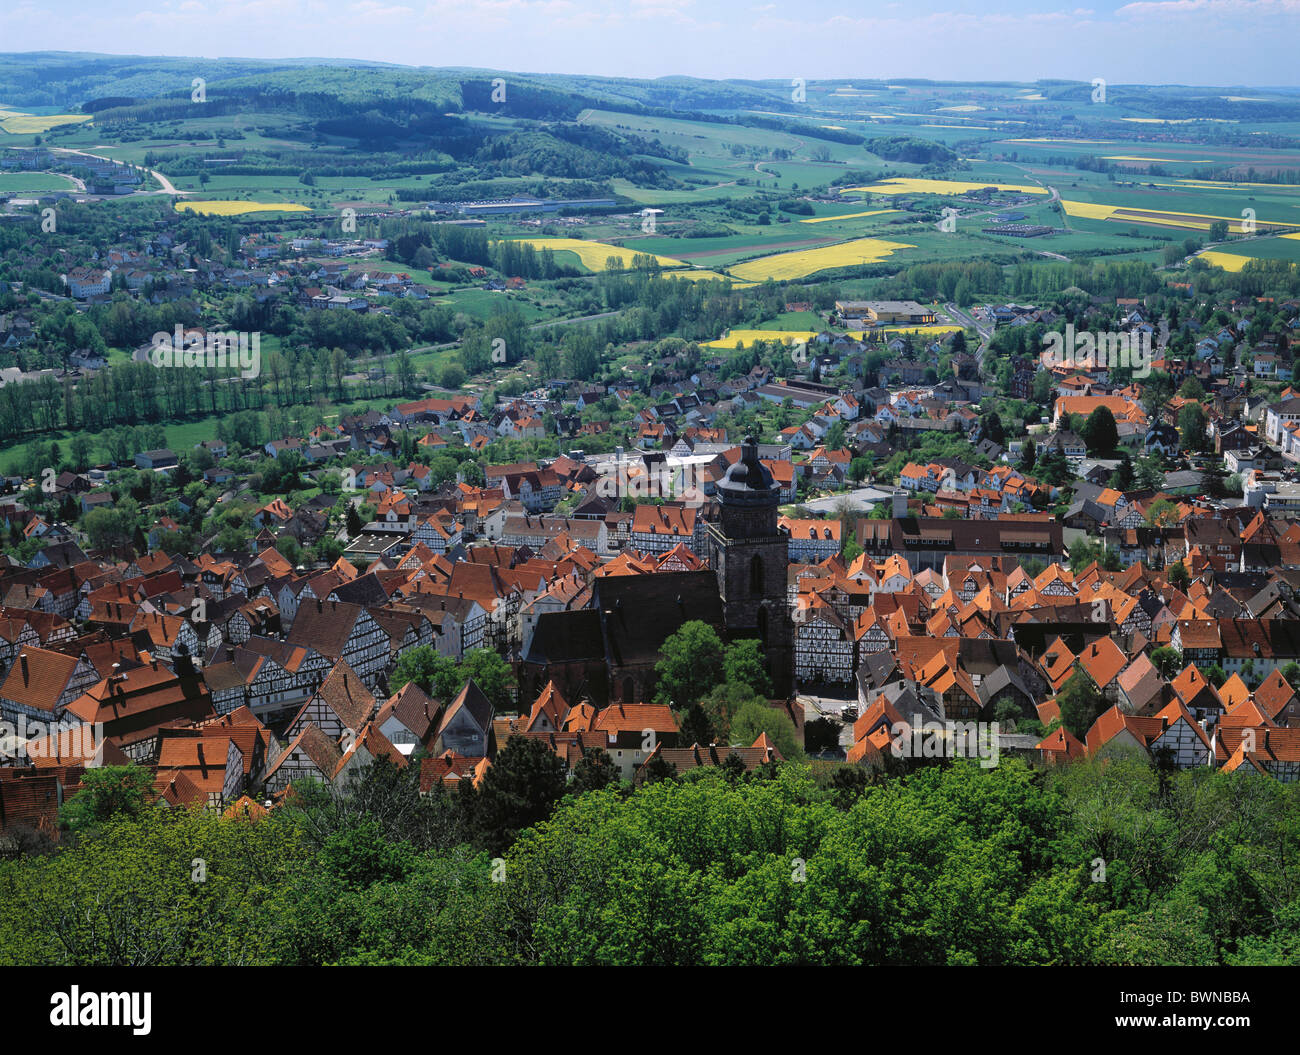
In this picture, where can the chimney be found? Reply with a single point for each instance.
(23, 659)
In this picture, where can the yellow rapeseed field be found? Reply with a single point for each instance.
(594, 254)
(750, 336)
(1231, 261)
(237, 208)
(1192, 221)
(700, 274)
(1227, 261)
(804, 262)
(908, 185)
(924, 331)
(16, 123)
(848, 216)
(788, 336)
(1088, 210)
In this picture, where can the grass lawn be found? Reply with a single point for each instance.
(33, 182)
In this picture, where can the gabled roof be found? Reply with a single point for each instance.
(472, 700)
(1103, 660)
(635, 717)
(1140, 681)
(552, 704)
(1146, 730)
(323, 751)
(450, 768)
(344, 693)
(1233, 692)
(1274, 693)
(1192, 688)
(38, 677)
(411, 706)
(1062, 745)
(325, 625)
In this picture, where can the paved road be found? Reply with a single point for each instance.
(167, 186)
(983, 329)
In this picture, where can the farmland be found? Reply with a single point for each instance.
(748, 337)
(849, 216)
(237, 208)
(594, 255)
(936, 186)
(15, 122)
(851, 184)
(1164, 218)
(805, 262)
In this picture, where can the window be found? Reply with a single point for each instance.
(756, 574)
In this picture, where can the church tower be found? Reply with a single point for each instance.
(750, 557)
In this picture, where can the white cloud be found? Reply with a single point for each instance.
(1232, 8)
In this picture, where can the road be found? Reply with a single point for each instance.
(1055, 197)
(985, 331)
(164, 182)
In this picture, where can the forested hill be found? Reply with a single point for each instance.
(419, 113)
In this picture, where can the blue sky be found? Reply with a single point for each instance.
(1203, 42)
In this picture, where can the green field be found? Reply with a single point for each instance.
(794, 320)
(34, 182)
(1264, 248)
(1001, 133)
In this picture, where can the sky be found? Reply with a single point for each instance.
(1196, 42)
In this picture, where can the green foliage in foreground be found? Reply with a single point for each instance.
(951, 865)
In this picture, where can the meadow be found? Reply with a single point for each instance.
(33, 182)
